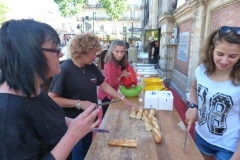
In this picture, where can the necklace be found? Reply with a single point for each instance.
(82, 69)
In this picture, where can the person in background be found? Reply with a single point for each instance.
(114, 69)
(215, 96)
(127, 44)
(147, 46)
(101, 43)
(109, 43)
(65, 53)
(33, 126)
(75, 88)
(154, 51)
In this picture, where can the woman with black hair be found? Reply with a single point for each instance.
(33, 126)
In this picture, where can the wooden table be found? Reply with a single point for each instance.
(117, 120)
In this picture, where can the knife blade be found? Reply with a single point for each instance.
(185, 142)
(102, 104)
(100, 130)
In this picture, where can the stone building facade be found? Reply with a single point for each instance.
(193, 21)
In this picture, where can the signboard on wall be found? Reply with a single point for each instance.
(183, 46)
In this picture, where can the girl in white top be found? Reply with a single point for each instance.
(215, 96)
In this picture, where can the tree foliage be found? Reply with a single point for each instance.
(68, 8)
(3, 11)
(150, 33)
(114, 7)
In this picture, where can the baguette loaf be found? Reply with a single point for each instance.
(123, 143)
(139, 113)
(153, 119)
(156, 135)
(145, 114)
(133, 113)
(155, 124)
(152, 113)
(147, 124)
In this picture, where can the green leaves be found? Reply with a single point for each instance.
(70, 8)
(114, 7)
(3, 11)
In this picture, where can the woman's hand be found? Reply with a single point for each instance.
(236, 155)
(77, 129)
(85, 104)
(125, 74)
(84, 122)
(191, 117)
(129, 104)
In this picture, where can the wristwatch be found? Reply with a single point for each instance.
(192, 105)
(78, 105)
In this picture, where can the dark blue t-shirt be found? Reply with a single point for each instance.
(75, 83)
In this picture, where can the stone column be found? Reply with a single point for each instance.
(166, 49)
(198, 30)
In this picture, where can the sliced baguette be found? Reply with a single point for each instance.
(139, 114)
(133, 113)
(156, 135)
(123, 143)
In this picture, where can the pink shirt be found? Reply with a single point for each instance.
(111, 72)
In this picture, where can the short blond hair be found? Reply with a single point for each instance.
(83, 44)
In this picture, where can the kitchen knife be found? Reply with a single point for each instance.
(102, 104)
(185, 142)
(100, 130)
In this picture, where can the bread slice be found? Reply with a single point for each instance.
(123, 143)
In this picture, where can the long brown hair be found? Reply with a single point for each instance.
(110, 57)
(207, 50)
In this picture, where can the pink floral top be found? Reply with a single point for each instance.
(111, 72)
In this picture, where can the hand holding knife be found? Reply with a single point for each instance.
(100, 130)
(186, 136)
(102, 104)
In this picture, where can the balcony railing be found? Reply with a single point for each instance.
(109, 19)
(89, 6)
(130, 19)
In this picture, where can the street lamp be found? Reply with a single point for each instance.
(132, 27)
(125, 32)
(83, 25)
(94, 17)
(132, 19)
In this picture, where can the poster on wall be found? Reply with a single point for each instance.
(183, 46)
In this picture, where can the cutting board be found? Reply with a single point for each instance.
(117, 120)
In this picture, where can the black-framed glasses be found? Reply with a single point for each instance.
(52, 50)
(227, 29)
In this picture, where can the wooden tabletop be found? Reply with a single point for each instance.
(117, 120)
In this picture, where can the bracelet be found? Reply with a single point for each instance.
(122, 97)
(78, 104)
